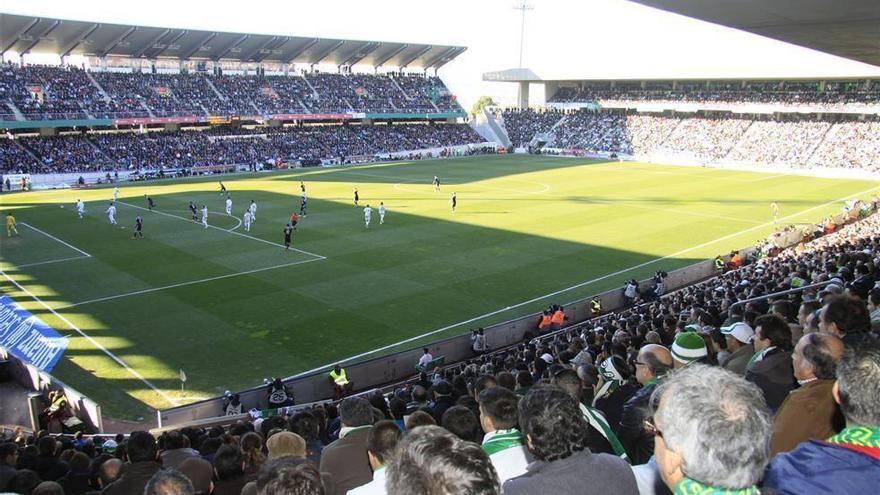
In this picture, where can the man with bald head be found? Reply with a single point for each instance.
(109, 471)
(810, 410)
(653, 362)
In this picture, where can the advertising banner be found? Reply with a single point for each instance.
(26, 337)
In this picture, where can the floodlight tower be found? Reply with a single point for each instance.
(523, 7)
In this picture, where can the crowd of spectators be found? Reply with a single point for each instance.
(523, 125)
(63, 92)
(223, 146)
(702, 390)
(835, 96)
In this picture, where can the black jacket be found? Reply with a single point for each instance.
(612, 405)
(134, 478)
(774, 375)
(638, 443)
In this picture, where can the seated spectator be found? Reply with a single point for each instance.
(109, 472)
(556, 435)
(738, 337)
(346, 459)
(8, 461)
(503, 441)
(846, 317)
(874, 308)
(200, 474)
(601, 437)
(47, 465)
(287, 475)
(443, 400)
(24, 481)
(169, 482)
(78, 480)
(176, 449)
(381, 444)
(652, 363)
(614, 389)
(285, 443)
(848, 462)
(50, 488)
(252, 452)
(229, 470)
(306, 425)
(432, 461)
(463, 423)
(143, 462)
(809, 411)
(712, 432)
(417, 419)
(770, 368)
(688, 348)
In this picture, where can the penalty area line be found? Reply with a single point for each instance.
(78, 250)
(94, 342)
(577, 286)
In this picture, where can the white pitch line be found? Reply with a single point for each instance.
(576, 286)
(686, 212)
(50, 261)
(318, 256)
(91, 340)
(78, 250)
(184, 284)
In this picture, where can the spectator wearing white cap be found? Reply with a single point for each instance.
(739, 338)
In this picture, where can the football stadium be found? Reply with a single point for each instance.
(326, 259)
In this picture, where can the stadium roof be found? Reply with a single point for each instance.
(25, 34)
(846, 28)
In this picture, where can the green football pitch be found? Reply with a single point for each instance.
(231, 307)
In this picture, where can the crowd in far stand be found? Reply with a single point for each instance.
(692, 392)
(223, 146)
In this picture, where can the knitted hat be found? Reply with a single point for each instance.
(688, 347)
(285, 443)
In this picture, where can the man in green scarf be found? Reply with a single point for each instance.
(712, 432)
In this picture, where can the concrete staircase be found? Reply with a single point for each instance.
(15, 111)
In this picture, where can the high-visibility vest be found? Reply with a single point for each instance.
(339, 378)
(596, 306)
(558, 318)
(719, 263)
(545, 321)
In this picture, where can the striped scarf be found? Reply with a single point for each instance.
(688, 486)
(758, 356)
(500, 440)
(860, 436)
(598, 421)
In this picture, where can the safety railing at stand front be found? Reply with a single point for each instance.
(817, 285)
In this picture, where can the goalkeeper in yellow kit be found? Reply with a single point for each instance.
(10, 225)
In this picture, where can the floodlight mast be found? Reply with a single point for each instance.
(522, 30)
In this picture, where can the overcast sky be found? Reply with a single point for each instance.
(563, 38)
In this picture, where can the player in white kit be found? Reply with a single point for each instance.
(228, 206)
(368, 215)
(253, 209)
(205, 215)
(80, 208)
(111, 214)
(247, 220)
(115, 193)
(381, 213)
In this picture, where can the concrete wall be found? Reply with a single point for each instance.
(379, 371)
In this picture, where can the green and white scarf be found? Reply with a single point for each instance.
(758, 356)
(688, 486)
(861, 436)
(500, 440)
(598, 421)
(611, 379)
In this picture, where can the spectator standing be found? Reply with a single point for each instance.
(345, 460)
(176, 450)
(809, 411)
(848, 462)
(712, 432)
(8, 461)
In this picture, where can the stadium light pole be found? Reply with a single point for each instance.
(522, 29)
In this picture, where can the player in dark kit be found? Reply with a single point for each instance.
(138, 228)
(302, 186)
(288, 231)
(150, 203)
(302, 205)
(194, 211)
(454, 201)
(356, 197)
(222, 187)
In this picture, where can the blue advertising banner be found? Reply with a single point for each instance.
(26, 337)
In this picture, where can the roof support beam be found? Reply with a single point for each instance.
(418, 54)
(65, 51)
(241, 39)
(40, 37)
(21, 32)
(447, 57)
(391, 55)
(324, 55)
(302, 50)
(170, 43)
(264, 45)
(147, 46)
(119, 39)
(267, 50)
(198, 47)
(439, 56)
(359, 54)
